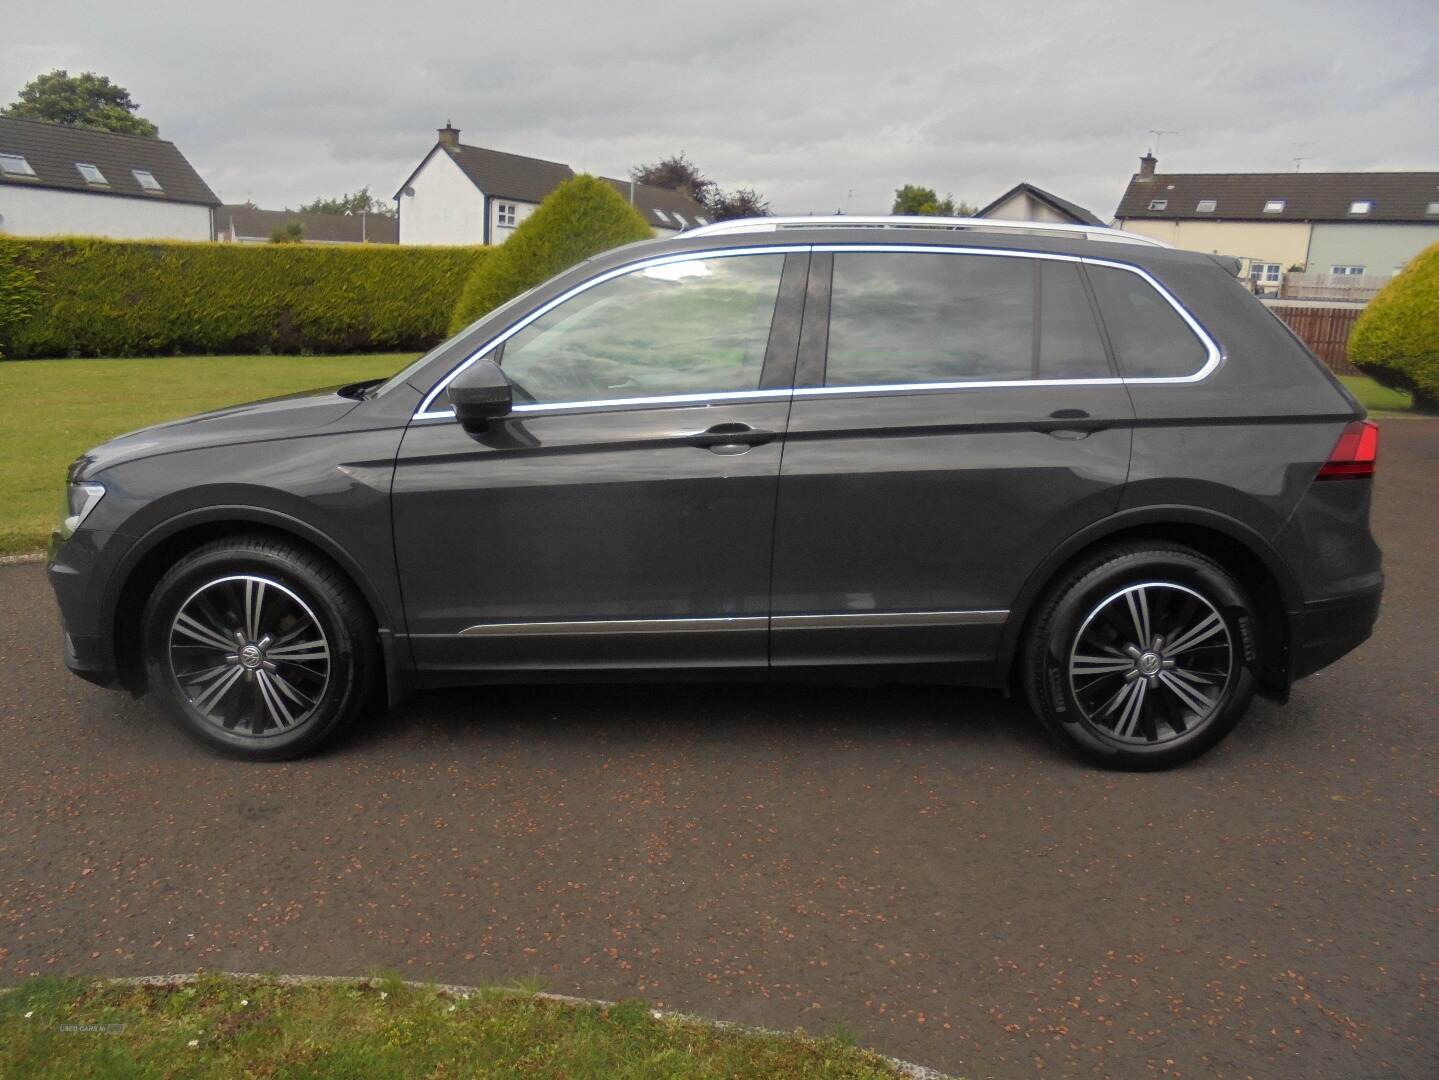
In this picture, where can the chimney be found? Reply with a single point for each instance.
(1146, 166)
(449, 135)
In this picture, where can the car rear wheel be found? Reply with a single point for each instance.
(260, 648)
(1142, 657)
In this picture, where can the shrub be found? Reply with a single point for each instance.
(91, 297)
(1396, 339)
(292, 232)
(580, 218)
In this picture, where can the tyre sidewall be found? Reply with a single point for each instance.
(324, 602)
(1060, 708)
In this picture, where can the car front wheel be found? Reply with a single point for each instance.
(260, 648)
(1142, 657)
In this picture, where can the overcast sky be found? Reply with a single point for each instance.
(280, 102)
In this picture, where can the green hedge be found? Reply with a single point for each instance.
(1396, 340)
(78, 296)
(580, 218)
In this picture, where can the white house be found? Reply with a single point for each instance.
(461, 194)
(62, 180)
(1025, 202)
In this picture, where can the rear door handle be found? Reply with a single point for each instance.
(1070, 424)
(731, 438)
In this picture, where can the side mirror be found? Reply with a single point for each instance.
(480, 393)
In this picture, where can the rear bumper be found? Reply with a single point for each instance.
(1322, 632)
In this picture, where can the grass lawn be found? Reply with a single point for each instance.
(1377, 399)
(225, 1027)
(51, 411)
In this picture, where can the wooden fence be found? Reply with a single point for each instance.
(1323, 328)
(1359, 289)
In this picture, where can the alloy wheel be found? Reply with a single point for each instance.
(1151, 663)
(249, 656)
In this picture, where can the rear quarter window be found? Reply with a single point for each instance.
(1149, 337)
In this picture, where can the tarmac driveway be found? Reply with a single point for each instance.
(918, 864)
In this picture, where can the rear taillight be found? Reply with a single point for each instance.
(1354, 454)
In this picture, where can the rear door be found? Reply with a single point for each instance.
(955, 418)
(623, 515)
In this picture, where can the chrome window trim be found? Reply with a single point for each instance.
(891, 620)
(1213, 356)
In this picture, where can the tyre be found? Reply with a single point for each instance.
(260, 648)
(1142, 656)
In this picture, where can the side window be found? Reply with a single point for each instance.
(922, 318)
(693, 327)
(916, 318)
(1150, 339)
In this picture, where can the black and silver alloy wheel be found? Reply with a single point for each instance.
(1151, 662)
(249, 655)
(1141, 655)
(261, 647)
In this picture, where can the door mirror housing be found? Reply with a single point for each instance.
(480, 393)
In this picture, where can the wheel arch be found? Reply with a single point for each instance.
(155, 552)
(1241, 550)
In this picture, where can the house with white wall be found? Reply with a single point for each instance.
(462, 194)
(1025, 202)
(1339, 225)
(61, 180)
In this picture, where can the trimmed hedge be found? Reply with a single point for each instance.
(580, 218)
(1396, 340)
(79, 296)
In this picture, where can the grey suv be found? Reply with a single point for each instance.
(1067, 461)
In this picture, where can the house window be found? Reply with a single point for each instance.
(701, 219)
(1265, 273)
(680, 218)
(661, 215)
(1432, 208)
(146, 180)
(506, 215)
(15, 165)
(91, 173)
(1206, 206)
(1274, 206)
(1361, 206)
(1346, 271)
(1158, 204)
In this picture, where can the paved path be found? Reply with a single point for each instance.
(918, 864)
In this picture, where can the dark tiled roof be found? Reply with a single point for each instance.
(649, 199)
(249, 221)
(497, 173)
(54, 149)
(1073, 211)
(1396, 196)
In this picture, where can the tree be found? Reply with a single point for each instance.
(922, 201)
(676, 173)
(1396, 339)
(739, 203)
(355, 202)
(582, 217)
(88, 100)
(292, 232)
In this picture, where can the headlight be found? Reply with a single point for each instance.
(80, 499)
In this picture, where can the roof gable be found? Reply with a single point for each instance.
(1394, 196)
(55, 150)
(1073, 211)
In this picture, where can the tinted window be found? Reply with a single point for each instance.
(1149, 337)
(700, 326)
(921, 318)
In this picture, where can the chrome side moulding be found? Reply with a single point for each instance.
(720, 623)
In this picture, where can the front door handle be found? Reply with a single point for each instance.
(731, 438)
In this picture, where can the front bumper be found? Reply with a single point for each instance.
(1323, 631)
(76, 569)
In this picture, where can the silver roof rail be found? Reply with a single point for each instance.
(899, 221)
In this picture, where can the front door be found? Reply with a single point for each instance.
(955, 419)
(623, 515)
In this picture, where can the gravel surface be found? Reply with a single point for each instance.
(916, 863)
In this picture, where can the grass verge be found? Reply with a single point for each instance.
(51, 411)
(227, 1026)
(1379, 400)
